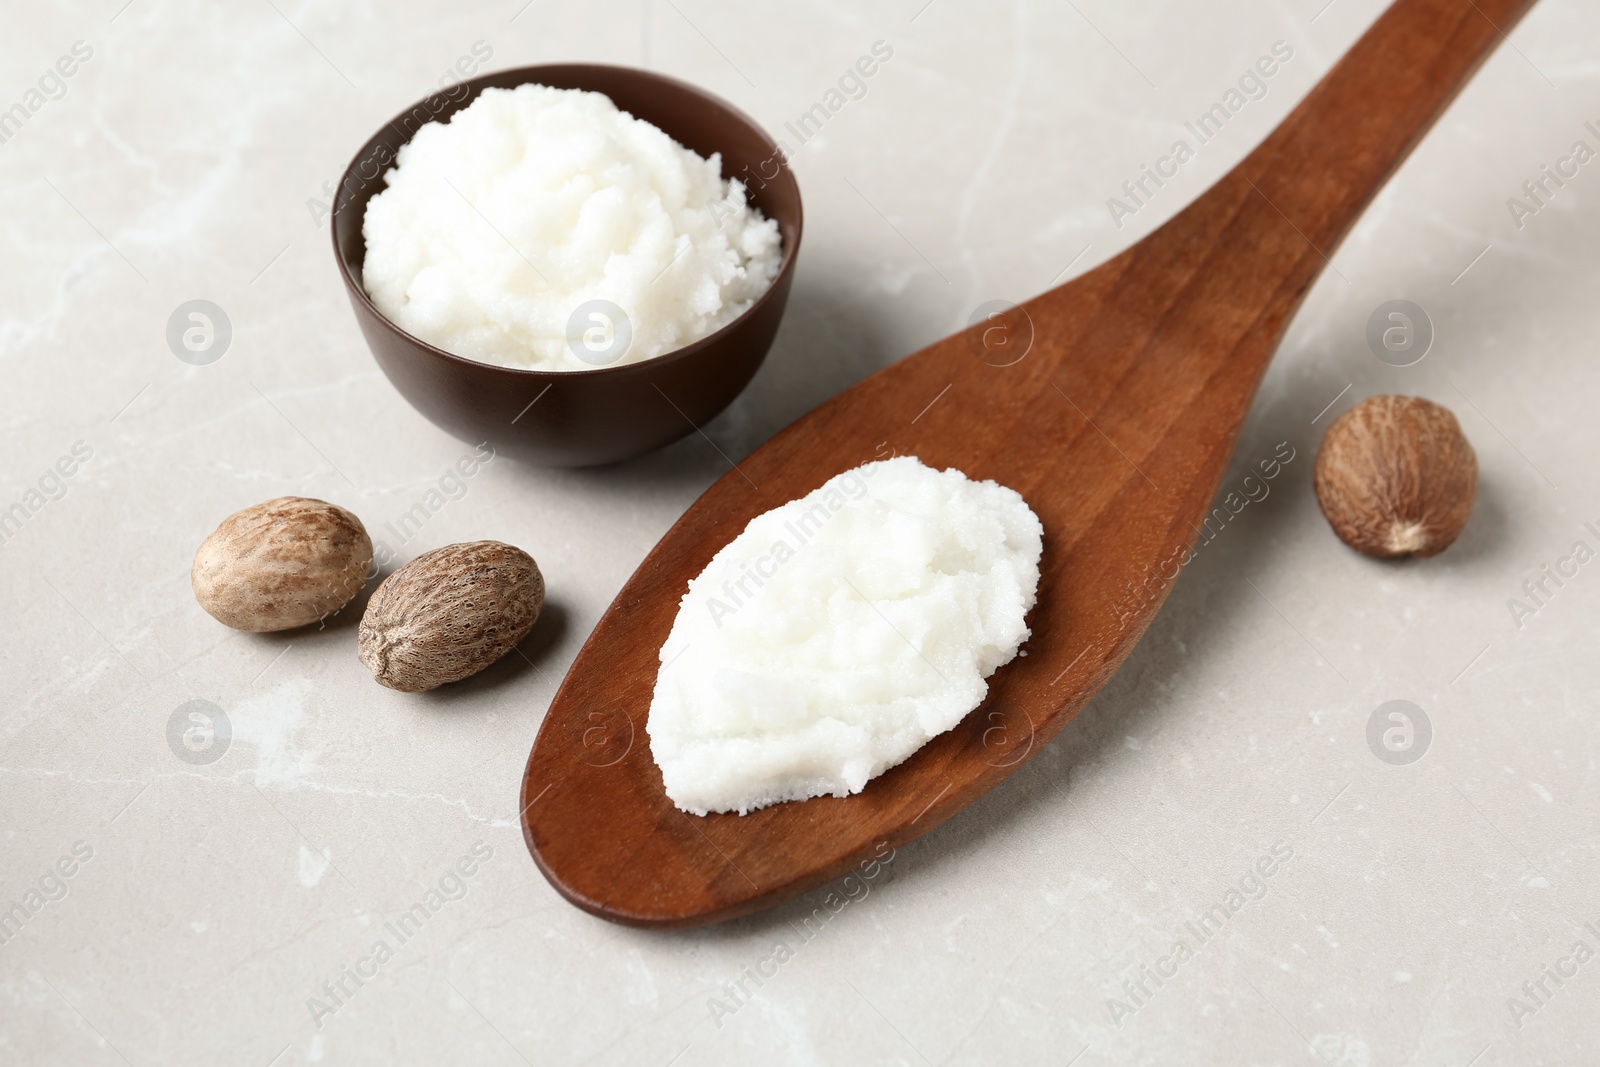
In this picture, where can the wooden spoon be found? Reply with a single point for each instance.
(1116, 427)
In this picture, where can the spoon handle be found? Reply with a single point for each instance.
(1317, 172)
(1197, 308)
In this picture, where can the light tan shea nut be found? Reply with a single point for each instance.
(1396, 477)
(281, 564)
(448, 614)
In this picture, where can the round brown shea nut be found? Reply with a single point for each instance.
(1396, 477)
(448, 614)
(281, 564)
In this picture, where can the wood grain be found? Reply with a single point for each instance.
(1116, 428)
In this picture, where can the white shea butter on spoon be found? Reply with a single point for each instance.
(839, 633)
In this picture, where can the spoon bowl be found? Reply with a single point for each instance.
(1116, 426)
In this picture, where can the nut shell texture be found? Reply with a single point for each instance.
(281, 564)
(1396, 477)
(449, 613)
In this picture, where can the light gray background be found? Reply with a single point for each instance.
(221, 896)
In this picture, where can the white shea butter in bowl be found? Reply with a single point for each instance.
(839, 633)
(546, 229)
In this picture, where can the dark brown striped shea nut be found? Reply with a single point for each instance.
(448, 614)
(1396, 477)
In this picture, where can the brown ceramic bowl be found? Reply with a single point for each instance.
(584, 417)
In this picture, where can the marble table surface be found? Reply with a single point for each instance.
(1430, 900)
